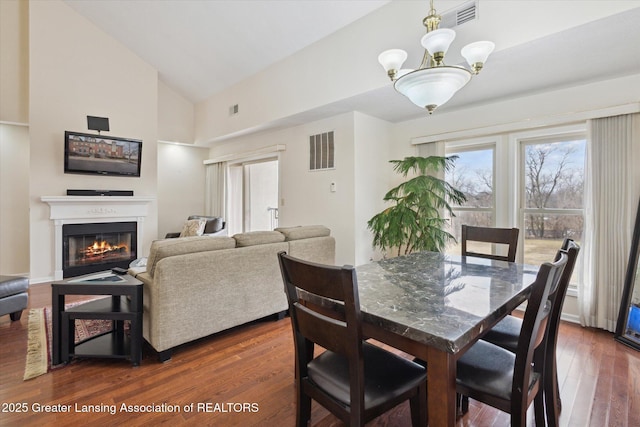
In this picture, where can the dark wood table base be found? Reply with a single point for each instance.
(124, 303)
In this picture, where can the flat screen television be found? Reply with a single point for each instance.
(103, 155)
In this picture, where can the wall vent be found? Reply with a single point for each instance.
(464, 13)
(233, 110)
(321, 151)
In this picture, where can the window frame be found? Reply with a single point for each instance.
(519, 141)
(508, 174)
(502, 215)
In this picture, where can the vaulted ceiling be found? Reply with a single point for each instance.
(202, 47)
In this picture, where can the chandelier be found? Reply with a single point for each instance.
(433, 83)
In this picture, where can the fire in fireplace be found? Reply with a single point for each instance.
(88, 248)
(100, 251)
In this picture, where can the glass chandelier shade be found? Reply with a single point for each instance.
(477, 53)
(430, 88)
(392, 60)
(437, 42)
(433, 83)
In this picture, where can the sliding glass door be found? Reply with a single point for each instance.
(253, 196)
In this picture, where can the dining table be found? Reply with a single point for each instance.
(435, 306)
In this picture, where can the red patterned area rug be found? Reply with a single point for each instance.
(40, 340)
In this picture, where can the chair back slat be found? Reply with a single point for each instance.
(505, 236)
(558, 294)
(318, 279)
(555, 299)
(324, 304)
(534, 325)
(323, 330)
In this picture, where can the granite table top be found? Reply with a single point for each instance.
(443, 301)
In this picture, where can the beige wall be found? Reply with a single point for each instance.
(305, 196)
(14, 200)
(372, 172)
(77, 70)
(175, 116)
(181, 183)
(14, 61)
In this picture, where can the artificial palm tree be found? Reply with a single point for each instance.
(416, 220)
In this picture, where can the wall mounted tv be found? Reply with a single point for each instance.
(103, 155)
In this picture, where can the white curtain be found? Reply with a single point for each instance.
(215, 194)
(611, 198)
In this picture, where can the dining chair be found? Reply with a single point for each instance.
(355, 380)
(505, 236)
(512, 381)
(507, 332)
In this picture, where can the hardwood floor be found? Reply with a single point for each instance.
(244, 377)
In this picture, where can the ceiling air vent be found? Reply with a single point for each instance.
(321, 151)
(464, 13)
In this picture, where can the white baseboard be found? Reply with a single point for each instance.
(571, 318)
(34, 281)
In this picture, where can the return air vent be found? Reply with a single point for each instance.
(464, 13)
(321, 151)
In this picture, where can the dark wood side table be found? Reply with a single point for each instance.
(124, 302)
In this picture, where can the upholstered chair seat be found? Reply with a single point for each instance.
(387, 376)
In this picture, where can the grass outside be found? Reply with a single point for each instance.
(536, 251)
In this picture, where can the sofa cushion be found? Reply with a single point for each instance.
(165, 248)
(253, 238)
(213, 223)
(193, 227)
(304, 232)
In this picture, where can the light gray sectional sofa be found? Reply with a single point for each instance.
(197, 286)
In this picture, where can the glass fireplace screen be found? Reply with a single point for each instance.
(94, 247)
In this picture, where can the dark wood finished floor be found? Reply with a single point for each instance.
(244, 377)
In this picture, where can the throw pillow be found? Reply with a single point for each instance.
(214, 225)
(193, 227)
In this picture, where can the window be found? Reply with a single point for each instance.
(533, 180)
(552, 189)
(473, 174)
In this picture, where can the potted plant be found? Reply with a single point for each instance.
(416, 221)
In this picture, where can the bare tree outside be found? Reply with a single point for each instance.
(552, 177)
(473, 175)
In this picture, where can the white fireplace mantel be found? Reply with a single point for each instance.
(94, 209)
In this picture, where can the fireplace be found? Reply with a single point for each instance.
(80, 210)
(92, 247)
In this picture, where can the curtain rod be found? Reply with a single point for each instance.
(273, 149)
